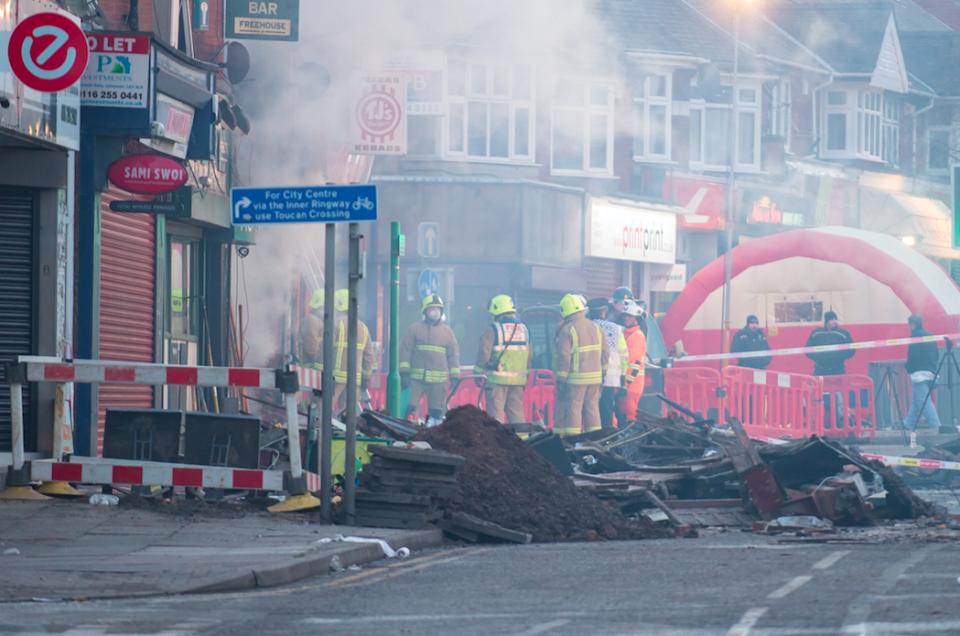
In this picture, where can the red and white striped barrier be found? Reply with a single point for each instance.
(309, 378)
(98, 371)
(98, 471)
(873, 344)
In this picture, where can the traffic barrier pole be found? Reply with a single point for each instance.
(298, 496)
(18, 476)
(61, 435)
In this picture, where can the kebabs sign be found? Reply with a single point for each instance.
(378, 116)
(48, 52)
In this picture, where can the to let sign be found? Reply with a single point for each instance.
(272, 20)
(147, 174)
(118, 72)
(378, 110)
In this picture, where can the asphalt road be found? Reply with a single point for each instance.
(733, 584)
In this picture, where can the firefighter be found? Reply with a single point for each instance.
(633, 314)
(341, 303)
(504, 356)
(429, 357)
(310, 334)
(581, 356)
(613, 379)
(620, 296)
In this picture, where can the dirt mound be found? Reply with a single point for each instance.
(506, 482)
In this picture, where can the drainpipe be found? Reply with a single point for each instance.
(133, 18)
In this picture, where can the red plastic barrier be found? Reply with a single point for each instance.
(377, 388)
(539, 397)
(771, 404)
(694, 388)
(848, 408)
(468, 392)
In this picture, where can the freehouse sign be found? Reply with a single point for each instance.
(277, 20)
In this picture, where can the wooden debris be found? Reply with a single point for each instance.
(464, 525)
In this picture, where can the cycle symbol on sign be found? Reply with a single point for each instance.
(363, 202)
(48, 52)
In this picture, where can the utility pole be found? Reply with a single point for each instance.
(350, 453)
(326, 424)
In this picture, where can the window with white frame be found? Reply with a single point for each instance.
(710, 132)
(861, 124)
(651, 118)
(582, 138)
(938, 148)
(778, 96)
(491, 113)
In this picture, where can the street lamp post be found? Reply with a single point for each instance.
(731, 199)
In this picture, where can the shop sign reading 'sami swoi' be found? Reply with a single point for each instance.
(378, 114)
(631, 233)
(118, 71)
(277, 20)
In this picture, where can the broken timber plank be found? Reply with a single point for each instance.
(475, 524)
(417, 455)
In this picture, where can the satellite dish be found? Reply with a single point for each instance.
(313, 80)
(709, 81)
(238, 62)
(225, 115)
(243, 124)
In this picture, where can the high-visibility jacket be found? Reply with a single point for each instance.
(580, 352)
(340, 360)
(618, 352)
(430, 353)
(505, 353)
(310, 336)
(637, 353)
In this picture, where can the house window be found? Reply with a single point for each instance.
(778, 97)
(868, 124)
(652, 116)
(862, 124)
(890, 149)
(836, 120)
(710, 133)
(938, 148)
(582, 127)
(490, 112)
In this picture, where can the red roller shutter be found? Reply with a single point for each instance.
(127, 306)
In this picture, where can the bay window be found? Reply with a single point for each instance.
(490, 111)
(862, 124)
(710, 133)
(582, 138)
(652, 117)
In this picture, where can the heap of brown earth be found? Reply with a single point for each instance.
(507, 483)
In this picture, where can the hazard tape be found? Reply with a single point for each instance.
(914, 462)
(873, 344)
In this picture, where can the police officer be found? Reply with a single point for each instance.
(504, 356)
(751, 338)
(830, 362)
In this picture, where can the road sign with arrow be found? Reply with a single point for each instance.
(310, 204)
(429, 243)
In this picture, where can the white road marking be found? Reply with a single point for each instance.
(830, 560)
(747, 621)
(859, 609)
(412, 618)
(789, 587)
(545, 627)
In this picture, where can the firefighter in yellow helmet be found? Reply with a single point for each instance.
(429, 357)
(310, 335)
(504, 357)
(341, 303)
(580, 358)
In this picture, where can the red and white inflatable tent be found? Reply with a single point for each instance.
(871, 280)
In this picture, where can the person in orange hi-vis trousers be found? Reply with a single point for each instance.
(637, 353)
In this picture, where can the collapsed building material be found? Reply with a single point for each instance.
(474, 530)
(507, 483)
(377, 424)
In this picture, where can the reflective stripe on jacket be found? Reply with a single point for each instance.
(505, 353)
(364, 348)
(581, 353)
(310, 336)
(637, 352)
(430, 353)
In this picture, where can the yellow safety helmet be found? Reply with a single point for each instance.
(316, 301)
(433, 300)
(341, 300)
(571, 304)
(500, 305)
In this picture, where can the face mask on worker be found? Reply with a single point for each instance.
(433, 314)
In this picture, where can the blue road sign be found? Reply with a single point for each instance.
(429, 242)
(310, 204)
(429, 283)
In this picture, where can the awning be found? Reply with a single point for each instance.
(904, 215)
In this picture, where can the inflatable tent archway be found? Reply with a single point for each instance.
(789, 280)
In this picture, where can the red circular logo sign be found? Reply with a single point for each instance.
(378, 114)
(147, 174)
(48, 52)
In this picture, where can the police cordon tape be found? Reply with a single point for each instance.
(914, 462)
(873, 344)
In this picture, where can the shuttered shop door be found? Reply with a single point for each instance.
(603, 276)
(16, 296)
(127, 282)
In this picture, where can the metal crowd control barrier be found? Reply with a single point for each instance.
(848, 406)
(111, 471)
(771, 404)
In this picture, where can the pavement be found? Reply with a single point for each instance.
(76, 550)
